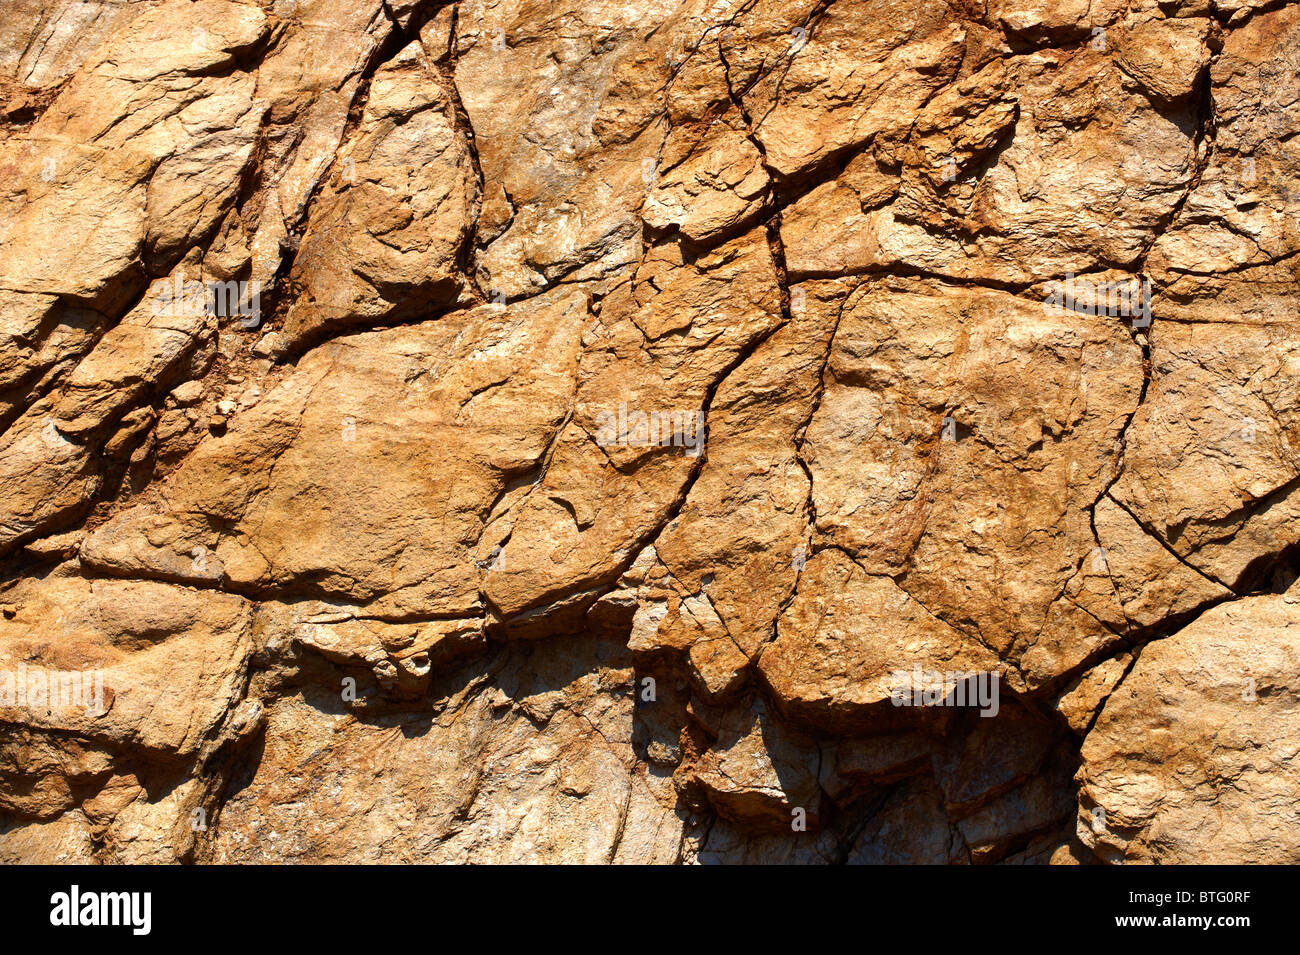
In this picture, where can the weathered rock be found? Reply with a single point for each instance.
(989, 184)
(532, 764)
(758, 773)
(369, 474)
(848, 643)
(909, 829)
(1194, 755)
(1224, 257)
(709, 432)
(384, 241)
(131, 670)
(651, 363)
(750, 503)
(939, 456)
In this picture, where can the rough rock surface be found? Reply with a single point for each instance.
(706, 431)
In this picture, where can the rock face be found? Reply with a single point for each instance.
(679, 432)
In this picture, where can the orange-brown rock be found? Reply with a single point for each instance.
(818, 432)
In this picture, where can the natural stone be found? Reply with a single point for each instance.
(780, 431)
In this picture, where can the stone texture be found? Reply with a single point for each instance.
(172, 664)
(533, 764)
(1193, 756)
(385, 239)
(570, 432)
(960, 444)
(843, 639)
(378, 462)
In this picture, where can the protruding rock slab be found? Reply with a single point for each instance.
(1196, 756)
(843, 643)
(371, 471)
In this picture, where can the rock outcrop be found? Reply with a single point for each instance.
(828, 431)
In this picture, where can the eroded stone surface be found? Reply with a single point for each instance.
(1194, 756)
(551, 432)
